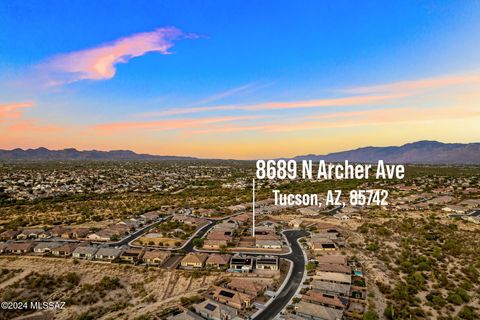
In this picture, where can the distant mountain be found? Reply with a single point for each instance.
(421, 152)
(74, 154)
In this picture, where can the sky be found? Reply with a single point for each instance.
(237, 79)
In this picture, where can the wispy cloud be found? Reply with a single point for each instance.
(100, 62)
(165, 125)
(28, 126)
(372, 117)
(13, 110)
(416, 85)
(226, 94)
(301, 104)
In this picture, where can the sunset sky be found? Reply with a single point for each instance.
(237, 79)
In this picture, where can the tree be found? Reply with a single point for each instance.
(198, 242)
(370, 315)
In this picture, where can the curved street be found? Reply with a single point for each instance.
(293, 282)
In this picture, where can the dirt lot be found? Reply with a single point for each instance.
(143, 290)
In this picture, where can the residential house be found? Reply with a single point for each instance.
(214, 310)
(214, 244)
(241, 263)
(295, 223)
(324, 299)
(46, 247)
(99, 236)
(80, 233)
(266, 263)
(331, 288)
(334, 267)
(332, 258)
(155, 257)
(58, 231)
(151, 216)
(194, 260)
(250, 286)
(65, 250)
(108, 254)
(241, 219)
(313, 311)
(322, 244)
(218, 261)
(29, 234)
(247, 242)
(132, 255)
(268, 244)
(3, 247)
(84, 252)
(20, 247)
(44, 235)
(333, 277)
(9, 235)
(232, 298)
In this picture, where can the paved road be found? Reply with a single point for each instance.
(135, 234)
(189, 246)
(294, 281)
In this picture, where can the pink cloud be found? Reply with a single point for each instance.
(99, 63)
(32, 126)
(165, 125)
(416, 85)
(317, 103)
(13, 110)
(348, 119)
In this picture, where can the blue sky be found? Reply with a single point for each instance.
(243, 52)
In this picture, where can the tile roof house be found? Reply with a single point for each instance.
(108, 254)
(46, 247)
(29, 234)
(20, 247)
(194, 260)
(331, 288)
(333, 258)
(156, 257)
(334, 267)
(317, 312)
(151, 216)
(65, 250)
(333, 277)
(210, 309)
(85, 252)
(249, 286)
(9, 235)
(268, 244)
(232, 298)
(322, 244)
(295, 223)
(58, 231)
(214, 244)
(324, 299)
(218, 260)
(132, 255)
(3, 246)
(79, 233)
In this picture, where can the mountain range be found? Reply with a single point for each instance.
(74, 154)
(420, 152)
